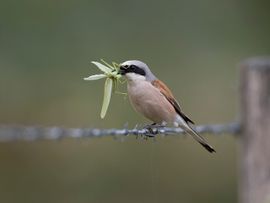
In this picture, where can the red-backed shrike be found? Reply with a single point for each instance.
(152, 98)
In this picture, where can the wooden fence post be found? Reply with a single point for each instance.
(254, 184)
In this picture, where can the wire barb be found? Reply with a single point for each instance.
(10, 133)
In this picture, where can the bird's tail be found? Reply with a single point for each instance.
(187, 128)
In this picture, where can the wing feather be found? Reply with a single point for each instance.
(169, 96)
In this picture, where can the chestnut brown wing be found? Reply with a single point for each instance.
(169, 96)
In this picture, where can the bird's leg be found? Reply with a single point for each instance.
(149, 125)
(153, 132)
(160, 125)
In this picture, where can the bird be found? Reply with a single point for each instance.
(154, 100)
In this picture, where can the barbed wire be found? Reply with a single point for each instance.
(10, 133)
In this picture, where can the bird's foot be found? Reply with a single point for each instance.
(153, 129)
(147, 126)
(154, 125)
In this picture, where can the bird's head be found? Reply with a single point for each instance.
(135, 69)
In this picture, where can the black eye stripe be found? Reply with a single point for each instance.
(136, 69)
(132, 69)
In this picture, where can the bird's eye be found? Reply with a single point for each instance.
(125, 66)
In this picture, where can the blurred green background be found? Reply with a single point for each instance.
(194, 46)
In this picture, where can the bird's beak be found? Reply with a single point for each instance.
(122, 70)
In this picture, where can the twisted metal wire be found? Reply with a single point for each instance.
(10, 133)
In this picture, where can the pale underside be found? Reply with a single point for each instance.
(149, 101)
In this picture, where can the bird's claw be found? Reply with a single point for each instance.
(153, 129)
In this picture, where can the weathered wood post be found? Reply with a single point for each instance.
(254, 184)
